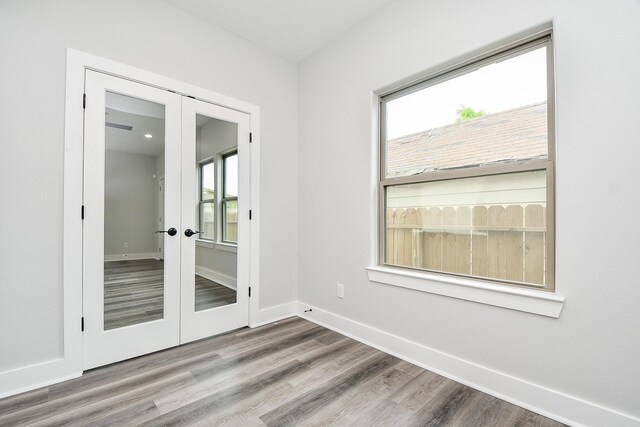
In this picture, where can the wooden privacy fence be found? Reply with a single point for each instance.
(500, 242)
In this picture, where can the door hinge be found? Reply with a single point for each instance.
(82, 212)
(84, 100)
(82, 324)
(249, 291)
(249, 214)
(250, 137)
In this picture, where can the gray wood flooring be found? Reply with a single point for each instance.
(133, 292)
(293, 372)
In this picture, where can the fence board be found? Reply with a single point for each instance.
(448, 240)
(410, 218)
(514, 244)
(432, 254)
(534, 245)
(418, 245)
(496, 243)
(463, 241)
(479, 249)
(400, 234)
(390, 237)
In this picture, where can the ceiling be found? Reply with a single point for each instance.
(293, 29)
(144, 117)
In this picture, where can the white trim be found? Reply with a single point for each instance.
(203, 243)
(223, 279)
(32, 377)
(125, 257)
(551, 403)
(273, 314)
(43, 372)
(254, 224)
(219, 246)
(527, 300)
(227, 247)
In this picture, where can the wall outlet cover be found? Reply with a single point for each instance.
(340, 290)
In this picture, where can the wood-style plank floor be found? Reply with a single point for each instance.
(133, 292)
(290, 373)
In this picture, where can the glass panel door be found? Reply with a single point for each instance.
(131, 262)
(214, 289)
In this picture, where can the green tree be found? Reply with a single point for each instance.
(466, 113)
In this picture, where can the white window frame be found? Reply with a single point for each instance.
(201, 202)
(224, 199)
(518, 296)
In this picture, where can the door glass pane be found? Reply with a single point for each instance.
(133, 211)
(216, 256)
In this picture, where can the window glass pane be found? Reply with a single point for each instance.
(207, 216)
(208, 182)
(231, 176)
(231, 221)
(489, 227)
(493, 115)
(134, 210)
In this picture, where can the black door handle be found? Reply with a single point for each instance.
(171, 232)
(189, 232)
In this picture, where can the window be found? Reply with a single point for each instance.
(219, 198)
(207, 208)
(466, 170)
(230, 198)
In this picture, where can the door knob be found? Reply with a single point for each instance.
(189, 232)
(171, 232)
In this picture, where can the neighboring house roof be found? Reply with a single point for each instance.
(507, 136)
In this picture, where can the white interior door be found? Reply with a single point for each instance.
(215, 213)
(131, 292)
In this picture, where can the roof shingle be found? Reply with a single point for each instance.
(512, 135)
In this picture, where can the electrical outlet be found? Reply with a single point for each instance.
(126, 244)
(340, 290)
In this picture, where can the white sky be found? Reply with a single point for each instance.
(509, 84)
(231, 178)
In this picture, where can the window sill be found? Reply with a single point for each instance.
(210, 244)
(205, 243)
(530, 301)
(227, 247)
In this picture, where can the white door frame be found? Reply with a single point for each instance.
(71, 363)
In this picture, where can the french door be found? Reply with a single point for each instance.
(165, 246)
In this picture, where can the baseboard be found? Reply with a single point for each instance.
(127, 257)
(27, 378)
(542, 400)
(273, 314)
(223, 279)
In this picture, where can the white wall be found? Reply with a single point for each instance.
(592, 351)
(131, 204)
(151, 35)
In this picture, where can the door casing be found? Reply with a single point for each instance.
(70, 364)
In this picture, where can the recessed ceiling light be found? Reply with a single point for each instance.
(148, 135)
